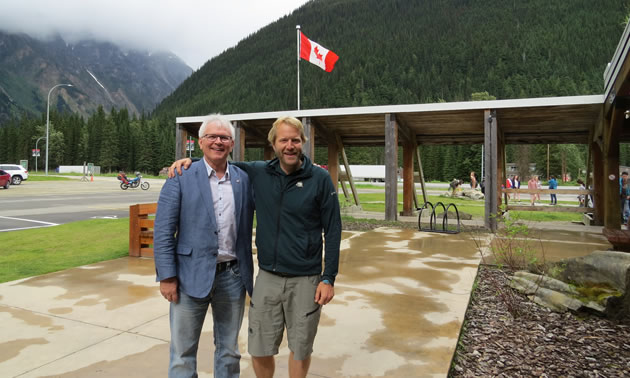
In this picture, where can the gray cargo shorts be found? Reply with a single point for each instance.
(280, 301)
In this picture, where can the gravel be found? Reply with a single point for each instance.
(535, 341)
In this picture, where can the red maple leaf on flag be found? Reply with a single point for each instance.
(317, 54)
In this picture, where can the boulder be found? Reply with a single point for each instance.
(597, 282)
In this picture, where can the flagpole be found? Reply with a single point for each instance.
(297, 27)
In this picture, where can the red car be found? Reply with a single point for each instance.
(5, 179)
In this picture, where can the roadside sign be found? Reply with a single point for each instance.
(36, 152)
(190, 145)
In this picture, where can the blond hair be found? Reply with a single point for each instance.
(290, 121)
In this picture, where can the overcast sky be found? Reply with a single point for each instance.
(195, 30)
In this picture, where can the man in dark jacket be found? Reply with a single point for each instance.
(295, 202)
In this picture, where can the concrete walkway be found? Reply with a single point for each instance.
(401, 297)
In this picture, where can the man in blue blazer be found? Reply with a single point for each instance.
(203, 252)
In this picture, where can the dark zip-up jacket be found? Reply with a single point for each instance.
(291, 213)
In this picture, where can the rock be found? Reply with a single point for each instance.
(548, 282)
(473, 194)
(608, 267)
(599, 282)
(556, 301)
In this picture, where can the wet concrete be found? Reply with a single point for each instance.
(400, 301)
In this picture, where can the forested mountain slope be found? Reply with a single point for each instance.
(411, 51)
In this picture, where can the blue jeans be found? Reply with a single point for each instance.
(227, 299)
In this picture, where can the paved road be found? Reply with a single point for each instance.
(44, 203)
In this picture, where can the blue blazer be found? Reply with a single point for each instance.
(185, 242)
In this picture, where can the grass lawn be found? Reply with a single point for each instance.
(38, 251)
(42, 177)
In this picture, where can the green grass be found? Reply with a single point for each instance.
(42, 177)
(28, 253)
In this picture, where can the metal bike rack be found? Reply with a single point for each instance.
(433, 218)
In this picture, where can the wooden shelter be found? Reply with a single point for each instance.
(595, 120)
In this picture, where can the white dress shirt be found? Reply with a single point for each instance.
(224, 212)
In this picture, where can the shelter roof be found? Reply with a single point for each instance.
(530, 120)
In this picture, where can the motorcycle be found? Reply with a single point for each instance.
(126, 183)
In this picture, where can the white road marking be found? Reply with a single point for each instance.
(45, 224)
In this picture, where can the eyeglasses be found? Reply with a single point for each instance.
(213, 138)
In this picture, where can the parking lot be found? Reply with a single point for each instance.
(34, 204)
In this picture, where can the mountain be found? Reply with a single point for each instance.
(411, 51)
(102, 74)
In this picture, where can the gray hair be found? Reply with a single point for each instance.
(220, 120)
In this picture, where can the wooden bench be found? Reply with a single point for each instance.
(141, 229)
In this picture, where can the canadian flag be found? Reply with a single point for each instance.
(317, 54)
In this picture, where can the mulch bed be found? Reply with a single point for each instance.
(538, 342)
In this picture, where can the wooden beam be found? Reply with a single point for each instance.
(355, 194)
(425, 198)
(391, 168)
(254, 132)
(616, 83)
(323, 132)
(405, 132)
(549, 191)
(490, 169)
(344, 189)
(561, 209)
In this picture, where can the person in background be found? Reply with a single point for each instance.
(531, 184)
(508, 185)
(454, 185)
(624, 195)
(516, 184)
(473, 180)
(538, 186)
(553, 184)
(581, 196)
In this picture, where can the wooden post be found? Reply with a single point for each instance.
(612, 129)
(408, 183)
(501, 167)
(180, 142)
(134, 230)
(238, 153)
(391, 168)
(490, 170)
(308, 148)
(268, 153)
(333, 163)
(599, 177)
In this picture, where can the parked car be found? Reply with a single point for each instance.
(17, 172)
(5, 179)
